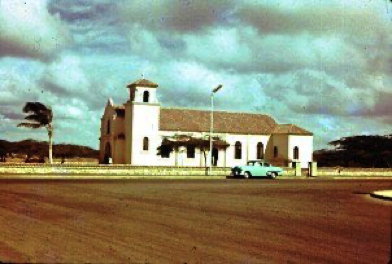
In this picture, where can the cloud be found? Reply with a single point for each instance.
(358, 19)
(94, 25)
(28, 30)
(65, 77)
(324, 65)
(176, 15)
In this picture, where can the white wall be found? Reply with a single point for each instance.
(249, 148)
(140, 91)
(253, 141)
(305, 145)
(128, 133)
(145, 124)
(179, 157)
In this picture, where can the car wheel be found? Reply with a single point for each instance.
(273, 175)
(247, 175)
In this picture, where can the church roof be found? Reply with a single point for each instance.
(188, 120)
(143, 83)
(291, 129)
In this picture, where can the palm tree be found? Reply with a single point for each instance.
(39, 116)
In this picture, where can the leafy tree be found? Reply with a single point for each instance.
(174, 142)
(3, 153)
(358, 151)
(39, 116)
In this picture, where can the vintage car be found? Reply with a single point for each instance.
(256, 168)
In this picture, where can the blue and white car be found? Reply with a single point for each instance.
(256, 168)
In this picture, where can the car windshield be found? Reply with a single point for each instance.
(267, 165)
(251, 163)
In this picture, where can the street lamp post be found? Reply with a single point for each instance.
(212, 124)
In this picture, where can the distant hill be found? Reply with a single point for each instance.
(35, 148)
(357, 151)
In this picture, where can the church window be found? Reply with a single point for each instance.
(276, 153)
(108, 127)
(238, 150)
(296, 152)
(260, 150)
(146, 96)
(190, 152)
(145, 143)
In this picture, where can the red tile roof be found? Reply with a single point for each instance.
(291, 130)
(187, 120)
(143, 83)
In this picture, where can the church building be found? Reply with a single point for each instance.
(142, 133)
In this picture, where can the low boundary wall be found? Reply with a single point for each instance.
(108, 170)
(114, 170)
(90, 170)
(354, 172)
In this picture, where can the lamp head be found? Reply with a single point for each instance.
(217, 88)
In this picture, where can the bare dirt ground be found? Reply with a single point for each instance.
(190, 221)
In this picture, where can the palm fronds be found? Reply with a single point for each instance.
(38, 112)
(30, 125)
(34, 107)
(40, 116)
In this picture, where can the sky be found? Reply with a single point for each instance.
(323, 65)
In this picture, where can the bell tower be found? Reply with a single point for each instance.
(143, 91)
(142, 123)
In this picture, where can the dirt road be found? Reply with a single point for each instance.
(190, 221)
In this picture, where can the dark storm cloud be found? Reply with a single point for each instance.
(382, 106)
(28, 30)
(56, 89)
(95, 25)
(9, 113)
(74, 12)
(18, 49)
(326, 19)
(177, 15)
(173, 44)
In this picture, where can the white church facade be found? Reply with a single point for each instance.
(142, 133)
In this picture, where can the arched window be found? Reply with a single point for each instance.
(145, 143)
(260, 150)
(296, 153)
(190, 152)
(276, 153)
(146, 96)
(108, 127)
(238, 150)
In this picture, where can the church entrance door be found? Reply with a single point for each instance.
(108, 154)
